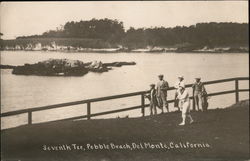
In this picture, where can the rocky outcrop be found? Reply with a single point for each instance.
(53, 67)
(119, 64)
(64, 67)
(7, 66)
(97, 66)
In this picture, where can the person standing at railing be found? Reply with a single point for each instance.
(177, 85)
(184, 104)
(153, 99)
(161, 92)
(199, 91)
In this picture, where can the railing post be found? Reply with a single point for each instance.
(29, 117)
(142, 105)
(193, 100)
(236, 90)
(88, 110)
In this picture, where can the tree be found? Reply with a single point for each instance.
(112, 32)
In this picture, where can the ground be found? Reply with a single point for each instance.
(226, 131)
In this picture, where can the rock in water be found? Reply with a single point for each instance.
(7, 66)
(53, 67)
(65, 67)
(97, 66)
(119, 64)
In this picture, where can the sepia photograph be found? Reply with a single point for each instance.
(124, 80)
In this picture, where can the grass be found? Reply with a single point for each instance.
(225, 130)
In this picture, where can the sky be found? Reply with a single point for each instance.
(29, 18)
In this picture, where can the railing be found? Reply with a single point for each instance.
(141, 106)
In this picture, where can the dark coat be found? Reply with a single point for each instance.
(153, 99)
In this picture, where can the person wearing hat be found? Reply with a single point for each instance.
(153, 100)
(199, 89)
(184, 104)
(179, 83)
(161, 92)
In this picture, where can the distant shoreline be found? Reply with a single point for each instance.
(109, 36)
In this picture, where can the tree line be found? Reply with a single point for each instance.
(112, 31)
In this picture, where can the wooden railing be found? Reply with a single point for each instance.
(141, 106)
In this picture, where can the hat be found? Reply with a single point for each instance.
(161, 75)
(181, 77)
(198, 78)
(152, 85)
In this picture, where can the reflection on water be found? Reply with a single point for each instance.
(19, 92)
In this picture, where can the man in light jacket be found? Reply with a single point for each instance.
(177, 86)
(184, 105)
(161, 93)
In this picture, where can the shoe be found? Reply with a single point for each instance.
(182, 124)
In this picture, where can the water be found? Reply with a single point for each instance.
(21, 92)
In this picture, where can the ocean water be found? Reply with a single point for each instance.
(22, 92)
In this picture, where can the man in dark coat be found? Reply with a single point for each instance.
(199, 93)
(153, 100)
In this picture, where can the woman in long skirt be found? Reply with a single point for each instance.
(184, 104)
